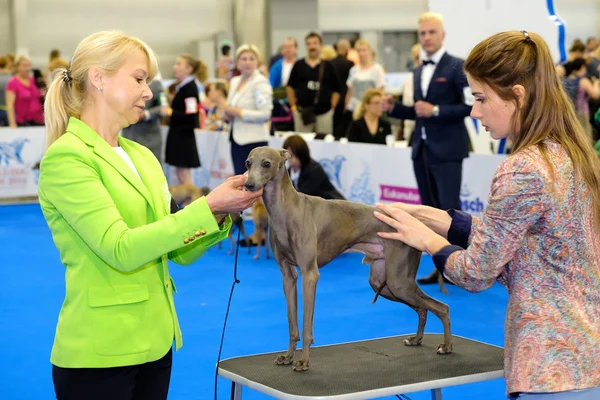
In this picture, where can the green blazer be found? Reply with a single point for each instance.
(115, 235)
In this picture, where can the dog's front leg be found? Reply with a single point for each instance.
(310, 276)
(290, 277)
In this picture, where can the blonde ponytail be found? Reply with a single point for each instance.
(107, 51)
(59, 106)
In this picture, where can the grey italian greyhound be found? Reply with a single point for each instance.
(309, 232)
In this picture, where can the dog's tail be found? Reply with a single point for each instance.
(379, 289)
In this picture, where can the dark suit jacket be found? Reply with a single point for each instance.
(359, 132)
(447, 137)
(314, 181)
(342, 65)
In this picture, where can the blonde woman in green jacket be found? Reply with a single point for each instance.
(107, 204)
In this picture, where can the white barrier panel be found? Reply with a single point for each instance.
(363, 173)
(369, 173)
(215, 157)
(20, 150)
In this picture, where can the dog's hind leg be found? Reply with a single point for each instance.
(402, 263)
(421, 303)
(378, 281)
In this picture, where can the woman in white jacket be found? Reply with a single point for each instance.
(248, 106)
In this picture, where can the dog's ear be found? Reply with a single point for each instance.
(285, 154)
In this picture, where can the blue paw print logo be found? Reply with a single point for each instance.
(359, 191)
(11, 151)
(333, 167)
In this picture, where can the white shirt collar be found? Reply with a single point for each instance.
(436, 57)
(184, 82)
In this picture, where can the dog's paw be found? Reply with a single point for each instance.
(230, 253)
(412, 341)
(300, 366)
(256, 257)
(444, 349)
(284, 359)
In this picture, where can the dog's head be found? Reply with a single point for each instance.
(263, 164)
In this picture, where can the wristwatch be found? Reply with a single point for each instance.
(436, 111)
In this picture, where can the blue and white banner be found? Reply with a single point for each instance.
(363, 173)
(20, 151)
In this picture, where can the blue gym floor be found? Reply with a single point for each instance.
(32, 294)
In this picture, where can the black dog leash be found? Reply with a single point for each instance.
(235, 281)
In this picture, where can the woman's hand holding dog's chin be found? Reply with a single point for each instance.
(229, 197)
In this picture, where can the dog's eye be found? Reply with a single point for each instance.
(248, 164)
(266, 164)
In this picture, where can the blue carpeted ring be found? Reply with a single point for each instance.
(33, 288)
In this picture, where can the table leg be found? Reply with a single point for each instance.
(436, 394)
(236, 391)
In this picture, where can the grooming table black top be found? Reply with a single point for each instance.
(370, 368)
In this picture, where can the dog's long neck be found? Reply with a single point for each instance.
(277, 192)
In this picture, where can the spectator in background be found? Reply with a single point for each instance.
(279, 73)
(248, 107)
(276, 57)
(54, 65)
(10, 62)
(147, 130)
(313, 90)
(40, 82)
(580, 90)
(442, 102)
(341, 118)
(181, 151)
(366, 75)
(216, 93)
(23, 98)
(352, 52)
(226, 64)
(577, 50)
(201, 78)
(408, 92)
(328, 53)
(307, 175)
(591, 45)
(4, 78)
(368, 126)
(3, 65)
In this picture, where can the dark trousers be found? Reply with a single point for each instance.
(439, 183)
(239, 154)
(148, 381)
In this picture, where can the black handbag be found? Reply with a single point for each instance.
(309, 114)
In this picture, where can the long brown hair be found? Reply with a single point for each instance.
(521, 58)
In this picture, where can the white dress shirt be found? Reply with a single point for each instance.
(427, 73)
(428, 70)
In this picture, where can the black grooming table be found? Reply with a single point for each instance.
(368, 369)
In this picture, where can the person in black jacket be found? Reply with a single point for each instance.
(308, 176)
(368, 126)
(181, 151)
